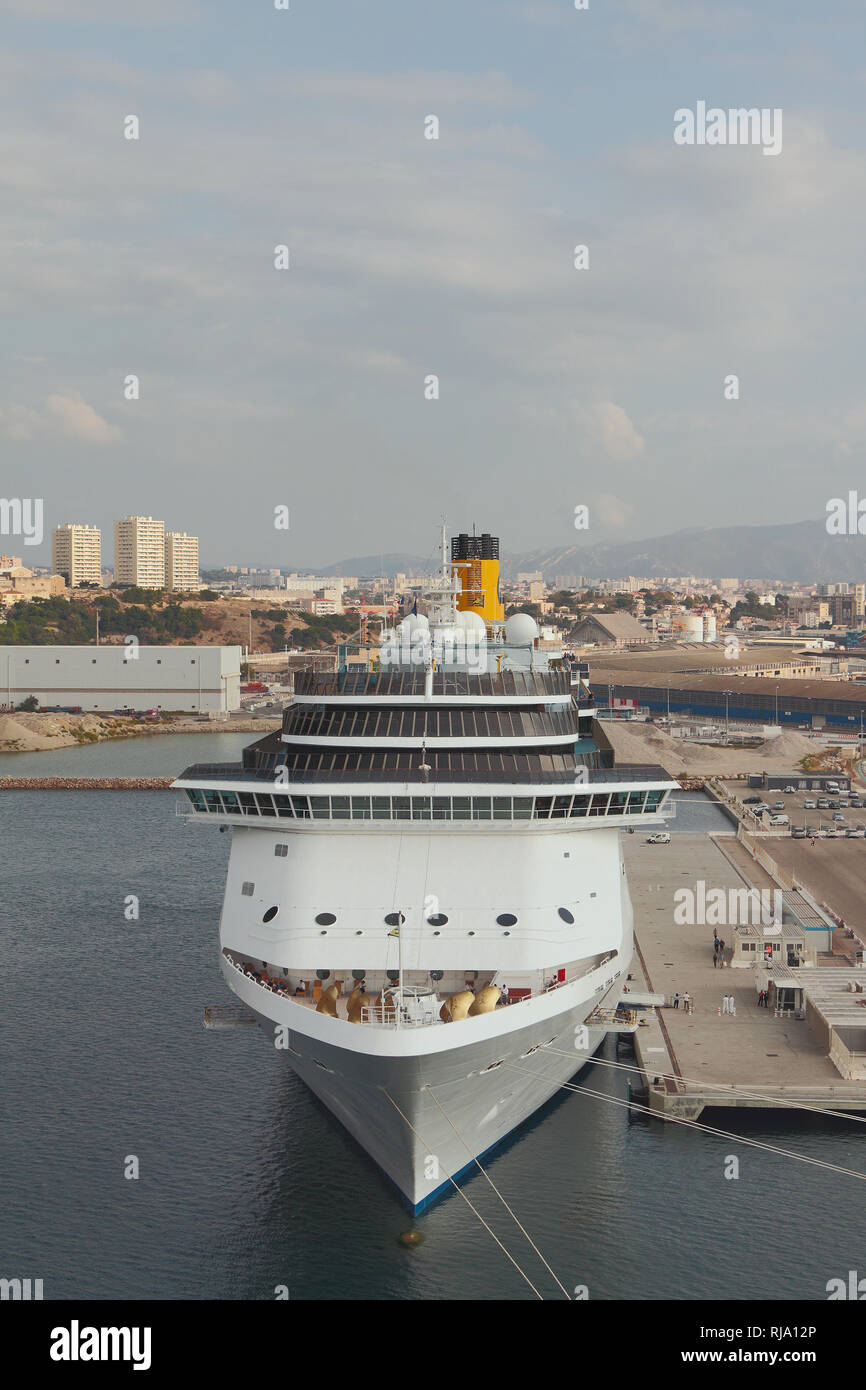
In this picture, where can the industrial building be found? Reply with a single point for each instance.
(608, 630)
(199, 680)
(818, 703)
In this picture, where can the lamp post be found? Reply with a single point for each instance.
(727, 695)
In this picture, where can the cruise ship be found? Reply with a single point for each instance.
(426, 907)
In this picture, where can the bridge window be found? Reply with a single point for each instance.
(281, 851)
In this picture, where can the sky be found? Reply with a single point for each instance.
(304, 388)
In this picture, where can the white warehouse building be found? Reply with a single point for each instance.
(191, 679)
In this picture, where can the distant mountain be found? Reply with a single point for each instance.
(800, 552)
(374, 566)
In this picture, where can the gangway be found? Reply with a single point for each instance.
(618, 1020)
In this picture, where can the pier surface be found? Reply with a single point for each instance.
(749, 1059)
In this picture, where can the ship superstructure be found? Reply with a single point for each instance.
(426, 906)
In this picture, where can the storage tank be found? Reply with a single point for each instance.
(709, 627)
(691, 626)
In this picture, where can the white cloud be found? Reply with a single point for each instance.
(619, 439)
(79, 420)
(611, 511)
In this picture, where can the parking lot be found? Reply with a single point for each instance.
(839, 813)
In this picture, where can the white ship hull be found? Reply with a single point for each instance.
(433, 1100)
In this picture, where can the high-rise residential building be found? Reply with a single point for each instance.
(139, 552)
(76, 553)
(181, 561)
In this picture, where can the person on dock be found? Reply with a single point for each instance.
(725, 1004)
(677, 1000)
(732, 1006)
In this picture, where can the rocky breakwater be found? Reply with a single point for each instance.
(85, 784)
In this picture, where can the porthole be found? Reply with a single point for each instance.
(270, 914)
(394, 919)
(437, 933)
(470, 933)
(506, 933)
(566, 915)
(393, 975)
(359, 933)
(438, 919)
(326, 919)
(323, 933)
(507, 919)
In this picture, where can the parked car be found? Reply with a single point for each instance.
(789, 791)
(852, 832)
(826, 830)
(779, 820)
(837, 815)
(823, 803)
(808, 806)
(778, 805)
(799, 833)
(855, 801)
(811, 830)
(661, 837)
(751, 800)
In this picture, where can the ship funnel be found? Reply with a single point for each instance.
(475, 561)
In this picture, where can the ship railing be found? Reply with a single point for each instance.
(381, 1014)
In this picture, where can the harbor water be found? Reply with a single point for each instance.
(246, 1184)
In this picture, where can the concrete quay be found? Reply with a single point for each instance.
(749, 1059)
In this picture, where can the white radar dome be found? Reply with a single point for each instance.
(521, 630)
(472, 624)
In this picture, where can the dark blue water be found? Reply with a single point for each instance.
(248, 1183)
